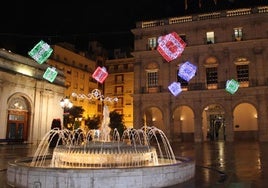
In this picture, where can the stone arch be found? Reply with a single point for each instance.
(245, 122)
(19, 117)
(153, 116)
(183, 122)
(213, 122)
(151, 66)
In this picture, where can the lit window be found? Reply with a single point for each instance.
(212, 77)
(242, 71)
(242, 75)
(210, 37)
(152, 43)
(184, 83)
(152, 78)
(238, 34)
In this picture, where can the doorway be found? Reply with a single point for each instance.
(17, 125)
(216, 127)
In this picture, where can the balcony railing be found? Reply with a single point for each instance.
(208, 16)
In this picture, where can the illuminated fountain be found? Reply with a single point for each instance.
(101, 158)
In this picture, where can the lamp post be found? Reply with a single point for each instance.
(65, 104)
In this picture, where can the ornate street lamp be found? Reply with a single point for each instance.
(66, 104)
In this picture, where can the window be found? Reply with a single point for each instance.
(119, 79)
(238, 34)
(242, 71)
(81, 87)
(116, 67)
(152, 78)
(184, 83)
(212, 77)
(242, 75)
(152, 43)
(119, 90)
(210, 37)
(183, 37)
(119, 103)
(67, 83)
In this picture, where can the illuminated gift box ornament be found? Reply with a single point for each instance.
(50, 74)
(100, 74)
(232, 86)
(40, 52)
(175, 88)
(187, 71)
(170, 46)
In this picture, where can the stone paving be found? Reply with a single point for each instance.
(218, 164)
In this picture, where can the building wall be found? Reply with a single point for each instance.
(78, 70)
(24, 91)
(208, 102)
(119, 83)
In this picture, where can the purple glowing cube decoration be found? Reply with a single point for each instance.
(232, 86)
(175, 88)
(50, 74)
(187, 71)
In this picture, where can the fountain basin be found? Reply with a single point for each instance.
(105, 154)
(21, 174)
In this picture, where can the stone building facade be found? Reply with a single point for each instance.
(29, 103)
(223, 45)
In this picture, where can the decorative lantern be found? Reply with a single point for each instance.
(50, 74)
(100, 74)
(41, 52)
(187, 71)
(232, 86)
(170, 46)
(175, 88)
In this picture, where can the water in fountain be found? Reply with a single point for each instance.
(147, 146)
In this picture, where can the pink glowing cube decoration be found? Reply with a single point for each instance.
(170, 46)
(100, 74)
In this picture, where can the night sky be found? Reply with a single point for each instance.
(24, 23)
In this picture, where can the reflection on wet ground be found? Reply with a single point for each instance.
(225, 164)
(218, 164)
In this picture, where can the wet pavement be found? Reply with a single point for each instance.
(218, 164)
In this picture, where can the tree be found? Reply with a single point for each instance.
(117, 122)
(74, 113)
(93, 123)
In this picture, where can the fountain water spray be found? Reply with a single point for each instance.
(138, 158)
